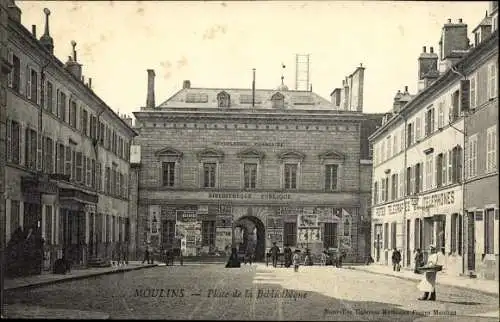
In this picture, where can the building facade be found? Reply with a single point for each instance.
(235, 167)
(67, 153)
(481, 152)
(419, 190)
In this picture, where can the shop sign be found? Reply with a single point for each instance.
(250, 144)
(439, 199)
(249, 196)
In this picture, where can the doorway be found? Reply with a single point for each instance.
(254, 236)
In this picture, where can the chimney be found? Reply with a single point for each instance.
(90, 82)
(453, 38)
(460, 20)
(186, 84)
(128, 120)
(406, 90)
(14, 11)
(72, 64)
(33, 30)
(46, 40)
(150, 100)
(427, 62)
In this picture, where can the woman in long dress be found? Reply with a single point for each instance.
(428, 283)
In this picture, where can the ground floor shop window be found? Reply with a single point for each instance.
(208, 233)
(290, 233)
(330, 236)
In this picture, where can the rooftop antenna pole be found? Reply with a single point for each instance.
(253, 88)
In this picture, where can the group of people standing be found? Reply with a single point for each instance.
(24, 253)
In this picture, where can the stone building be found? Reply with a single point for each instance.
(224, 167)
(67, 152)
(481, 152)
(418, 170)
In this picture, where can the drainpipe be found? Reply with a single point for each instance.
(464, 215)
(95, 144)
(40, 174)
(404, 256)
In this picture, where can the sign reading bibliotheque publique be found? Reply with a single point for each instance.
(250, 195)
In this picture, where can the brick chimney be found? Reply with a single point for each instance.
(150, 100)
(186, 84)
(72, 64)
(453, 38)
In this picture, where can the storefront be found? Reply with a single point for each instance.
(211, 223)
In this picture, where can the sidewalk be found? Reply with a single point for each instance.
(49, 278)
(483, 286)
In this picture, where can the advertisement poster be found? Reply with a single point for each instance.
(223, 241)
(275, 236)
(307, 220)
(188, 229)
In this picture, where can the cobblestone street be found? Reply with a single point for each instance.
(207, 291)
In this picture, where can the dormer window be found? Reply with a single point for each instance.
(223, 99)
(278, 100)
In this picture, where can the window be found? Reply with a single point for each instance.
(409, 136)
(375, 193)
(209, 173)
(429, 122)
(493, 86)
(168, 174)
(394, 186)
(60, 159)
(473, 92)
(49, 156)
(278, 100)
(402, 139)
(48, 224)
(389, 146)
(16, 73)
(99, 177)
(417, 129)
(429, 171)
(250, 175)
(101, 133)
(93, 173)
(93, 127)
(441, 115)
(79, 167)
(88, 167)
(223, 99)
(444, 168)
(72, 113)
(457, 164)
(62, 106)
(410, 179)
(418, 177)
(107, 180)
(30, 148)
(331, 176)
(84, 122)
(471, 156)
(491, 149)
(32, 85)
(290, 176)
(384, 189)
(49, 101)
(208, 233)
(290, 233)
(489, 231)
(439, 170)
(14, 141)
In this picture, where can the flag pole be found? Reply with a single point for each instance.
(253, 88)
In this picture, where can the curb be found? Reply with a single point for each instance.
(418, 279)
(74, 278)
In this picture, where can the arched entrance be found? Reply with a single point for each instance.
(254, 236)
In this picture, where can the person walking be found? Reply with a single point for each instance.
(288, 256)
(419, 260)
(428, 283)
(274, 254)
(146, 254)
(296, 261)
(396, 259)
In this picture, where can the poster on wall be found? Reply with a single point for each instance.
(275, 236)
(274, 222)
(188, 229)
(224, 221)
(308, 220)
(223, 241)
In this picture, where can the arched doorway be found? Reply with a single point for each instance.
(254, 235)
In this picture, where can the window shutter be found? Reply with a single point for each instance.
(22, 141)
(444, 167)
(9, 139)
(10, 76)
(402, 184)
(472, 92)
(28, 83)
(495, 236)
(39, 151)
(479, 232)
(465, 95)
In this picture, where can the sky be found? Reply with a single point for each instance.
(216, 44)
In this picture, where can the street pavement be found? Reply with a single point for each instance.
(256, 292)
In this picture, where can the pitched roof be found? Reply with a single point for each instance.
(242, 98)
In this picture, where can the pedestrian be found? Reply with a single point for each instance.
(428, 283)
(146, 254)
(288, 256)
(419, 260)
(396, 259)
(233, 261)
(275, 251)
(296, 261)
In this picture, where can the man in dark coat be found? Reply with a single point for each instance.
(274, 254)
(233, 261)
